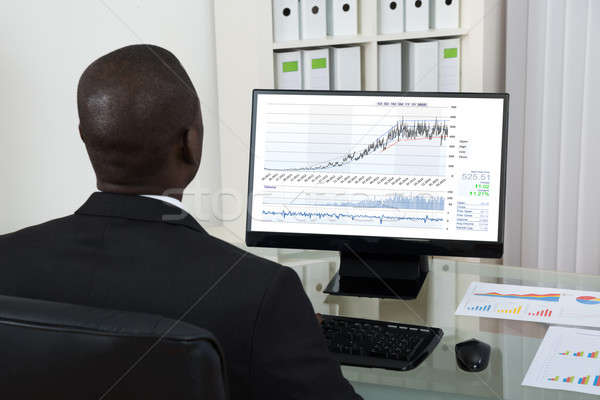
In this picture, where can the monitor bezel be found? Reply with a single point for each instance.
(376, 244)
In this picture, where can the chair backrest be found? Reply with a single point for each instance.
(66, 351)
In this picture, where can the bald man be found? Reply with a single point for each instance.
(141, 124)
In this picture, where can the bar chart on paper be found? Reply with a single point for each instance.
(593, 354)
(584, 380)
(526, 303)
(540, 312)
(567, 360)
(514, 309)
(480, 307)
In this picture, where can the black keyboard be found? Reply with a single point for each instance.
(378, 344)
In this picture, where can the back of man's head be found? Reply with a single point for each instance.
(140, 120)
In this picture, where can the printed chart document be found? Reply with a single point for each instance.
(568, 359)
(529, 303)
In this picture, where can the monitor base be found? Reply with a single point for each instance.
(377, 276)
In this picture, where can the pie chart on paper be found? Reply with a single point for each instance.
(588, 300)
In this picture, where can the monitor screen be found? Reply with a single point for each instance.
(387, 165)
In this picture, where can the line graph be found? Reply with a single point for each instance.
(306, 216)
(553, 297)
(399, 201)
(330, 143)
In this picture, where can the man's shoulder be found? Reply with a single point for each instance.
(47, 227)
(194, 246)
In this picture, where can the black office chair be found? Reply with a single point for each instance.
(54, 350)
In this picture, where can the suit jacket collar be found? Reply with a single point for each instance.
(137, 207)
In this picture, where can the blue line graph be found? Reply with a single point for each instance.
(381, 218)
(397, 201)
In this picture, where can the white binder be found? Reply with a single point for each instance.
(342, 17)
(315, 69)
(389, 76)
(345, 68)
(285, 20)
(391, 16)
(416, 15)
(420, 66)
(313, 19)
(444, 14)
(288, 70)
(449, 65)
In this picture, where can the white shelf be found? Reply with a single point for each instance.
(326, 41)
(430, 34)
(361, 39)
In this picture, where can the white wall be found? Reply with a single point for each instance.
(245, 62)
(44, 48)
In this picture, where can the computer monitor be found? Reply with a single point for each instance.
(386, 178)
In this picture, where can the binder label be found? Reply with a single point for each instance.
(451, 52)
(290, 66)
(318, 63)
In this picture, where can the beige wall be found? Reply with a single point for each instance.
(44, 47)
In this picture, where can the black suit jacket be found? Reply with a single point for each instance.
(129, 253)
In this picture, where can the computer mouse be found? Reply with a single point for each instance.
(472, 355)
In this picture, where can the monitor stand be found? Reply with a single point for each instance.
(379, 276)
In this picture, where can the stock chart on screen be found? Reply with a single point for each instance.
(413, 167)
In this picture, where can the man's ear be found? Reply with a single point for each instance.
(191, 143)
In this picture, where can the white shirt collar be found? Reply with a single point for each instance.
(166, 199)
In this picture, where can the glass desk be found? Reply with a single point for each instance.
(514, 343)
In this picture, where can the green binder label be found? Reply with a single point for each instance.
(451, 53)
(290, 66)
(319, 63)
